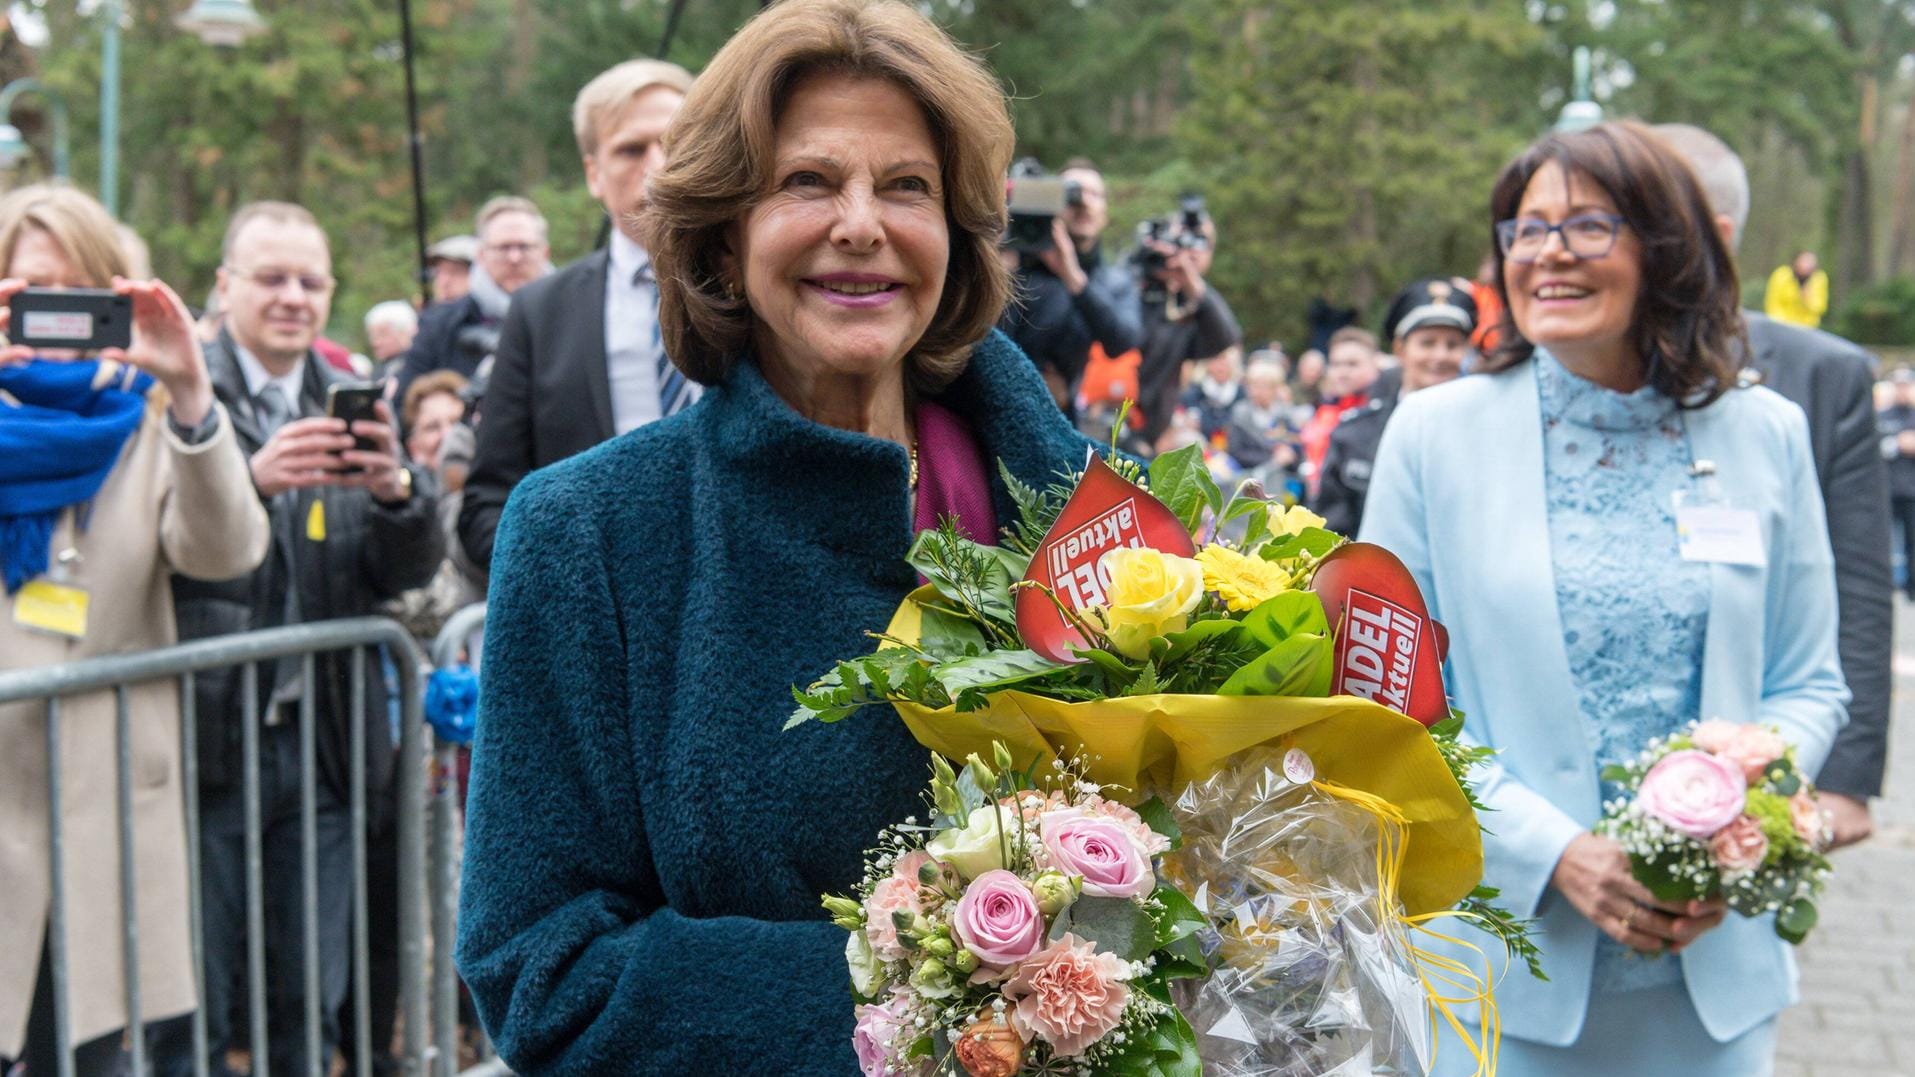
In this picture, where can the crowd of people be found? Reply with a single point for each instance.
(835, 280)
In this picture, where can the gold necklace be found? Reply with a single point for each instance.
(914, 463)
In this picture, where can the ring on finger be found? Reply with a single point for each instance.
(1628, 919)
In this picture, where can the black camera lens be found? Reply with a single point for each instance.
(1074, 194)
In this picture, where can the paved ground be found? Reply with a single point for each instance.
(1857, 1017)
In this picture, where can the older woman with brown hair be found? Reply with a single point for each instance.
(645, 847)
(1538, 507)
(115, 473)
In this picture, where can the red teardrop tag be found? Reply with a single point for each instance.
(1105, 512)
(1388, 648)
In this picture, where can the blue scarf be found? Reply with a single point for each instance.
(59, 438)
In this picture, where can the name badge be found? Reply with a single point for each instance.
(1719, 534)
(45, 606)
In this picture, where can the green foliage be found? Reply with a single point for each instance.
(1181, 480)
(1037, 510)
(1881, 314)
(1481, 906)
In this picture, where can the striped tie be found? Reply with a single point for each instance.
(675, 392)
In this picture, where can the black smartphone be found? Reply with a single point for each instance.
(83, 319)
(353, 401)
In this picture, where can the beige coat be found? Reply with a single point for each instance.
(165, 508)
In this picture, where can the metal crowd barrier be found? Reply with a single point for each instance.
(430, 1022)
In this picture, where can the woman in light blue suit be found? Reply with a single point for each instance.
(1537, 506)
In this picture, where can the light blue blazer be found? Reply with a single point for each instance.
(1457, 493)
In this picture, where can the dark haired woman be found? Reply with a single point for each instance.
(1537, 506)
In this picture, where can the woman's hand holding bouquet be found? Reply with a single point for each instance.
(1721, 811)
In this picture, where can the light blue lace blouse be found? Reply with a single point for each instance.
(1634, 614)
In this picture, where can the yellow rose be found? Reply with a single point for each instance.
(1293, 520)
(1151, 594)
(1243, 581)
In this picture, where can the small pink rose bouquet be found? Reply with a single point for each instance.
(1721, 809)
(1024, 930)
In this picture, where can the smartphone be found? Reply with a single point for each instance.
(353, 401)
(83, 319)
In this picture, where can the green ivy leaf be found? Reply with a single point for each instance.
(1180, 918)
(1181, 480)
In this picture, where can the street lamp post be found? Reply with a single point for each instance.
(1582, 111)
(12, 146)
(216, 22)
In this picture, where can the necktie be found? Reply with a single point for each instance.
(272, 408)
(675, 392)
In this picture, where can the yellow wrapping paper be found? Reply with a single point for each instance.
(1160, 742)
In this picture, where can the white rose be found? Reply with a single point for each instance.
(867, 972)
(976, 849)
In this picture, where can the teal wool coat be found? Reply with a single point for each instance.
(645, 849)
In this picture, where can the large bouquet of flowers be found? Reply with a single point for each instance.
(1023, 930)
(1160, 636)
(1720, 809)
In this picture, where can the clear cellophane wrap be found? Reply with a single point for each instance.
(1314, 975)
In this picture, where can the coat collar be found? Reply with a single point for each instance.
(229, 386)
(856, 486)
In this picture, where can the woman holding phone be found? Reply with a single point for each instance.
(117, 470)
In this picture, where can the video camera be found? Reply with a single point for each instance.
(1035, 198)
(1185, 230)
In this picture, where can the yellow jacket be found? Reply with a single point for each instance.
(1789, 301)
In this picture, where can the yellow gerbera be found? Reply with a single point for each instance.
(1242, 581)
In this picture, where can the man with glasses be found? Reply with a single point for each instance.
(463, 334)
(353, 525)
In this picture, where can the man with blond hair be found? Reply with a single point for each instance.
(461, 335)
(579, 358)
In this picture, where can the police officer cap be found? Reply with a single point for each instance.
(1425, 303)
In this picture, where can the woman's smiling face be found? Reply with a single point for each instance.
(844, 261)
(1563, 302)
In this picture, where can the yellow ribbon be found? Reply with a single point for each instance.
(1432, 969)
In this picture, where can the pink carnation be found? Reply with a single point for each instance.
(1740, 846)
(1097, 849)
(1714, 735)
(1693, 792)
(1753, 748)
(907, 866)
(997, 919)
(1811, 822)
(1069, 995)
(889, 896)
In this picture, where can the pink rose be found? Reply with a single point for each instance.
(889, 896)
(1069, 995)
(1714, 734)
(997, 919)
(1099, 850)
(1740, 846)
(1811, 822)
(1148, 841)
(875, 1039)
(1753, 748)
(1693, 792)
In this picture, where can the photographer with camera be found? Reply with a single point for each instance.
(1067, 297)
(1184, 319)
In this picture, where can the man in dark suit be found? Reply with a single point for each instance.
(579, 358)
(1833, 382)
